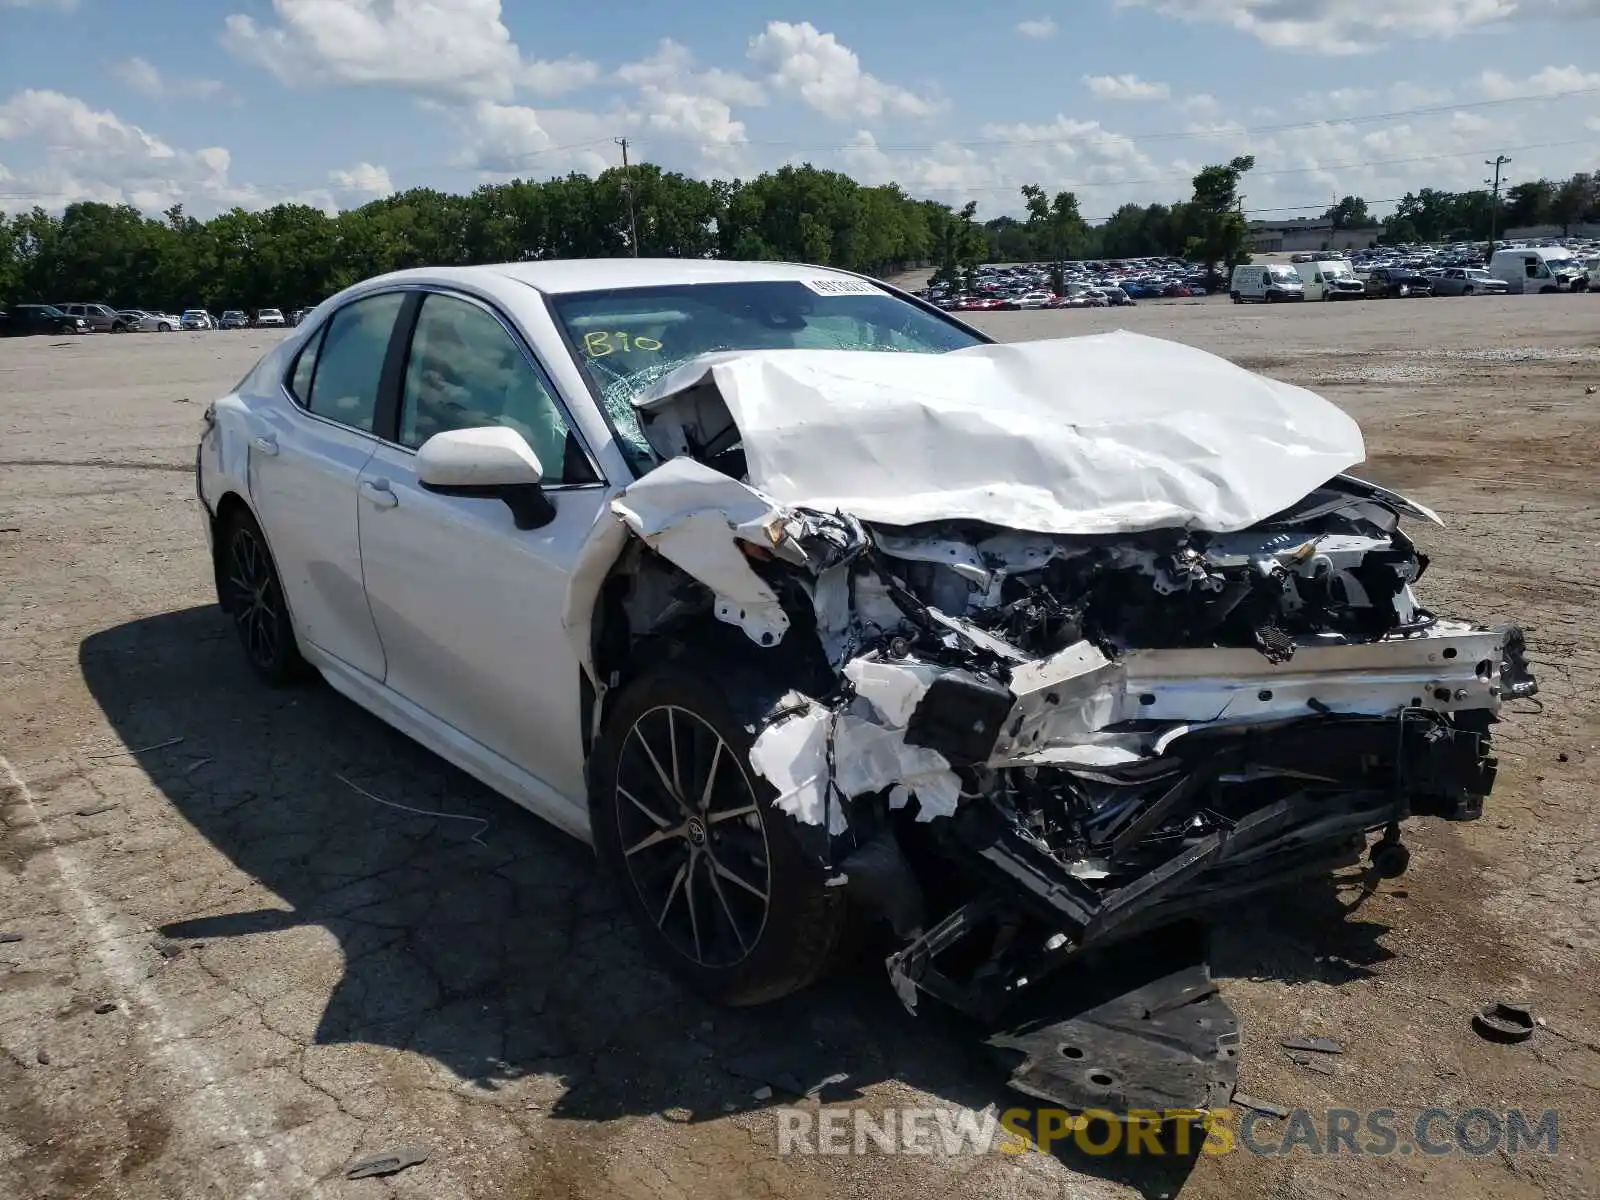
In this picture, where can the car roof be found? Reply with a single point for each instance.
(560, 276)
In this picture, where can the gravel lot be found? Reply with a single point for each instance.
(302, 977)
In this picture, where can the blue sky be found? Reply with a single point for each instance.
(333, 102)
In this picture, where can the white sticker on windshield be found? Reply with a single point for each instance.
(842, 287)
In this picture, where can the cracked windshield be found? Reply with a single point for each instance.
(628, 338)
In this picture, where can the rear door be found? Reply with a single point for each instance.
(468, 606)
(308, 445)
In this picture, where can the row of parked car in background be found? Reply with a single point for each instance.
(24, 319)
(1460, 270)
(1454, 269)
(1091, 284)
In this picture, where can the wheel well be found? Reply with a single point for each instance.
(650, 612)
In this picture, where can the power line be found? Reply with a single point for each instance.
(1176, 135)
(1258, 173)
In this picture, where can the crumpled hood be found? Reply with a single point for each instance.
(1109, 433)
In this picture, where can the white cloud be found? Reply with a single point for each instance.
(1346, 99)
(802, 61)
(58, 5)
(511, 140)
(1416, 95)
(140, 75)
(552, 78)
(1352, 26)
(1549, 82)
(364, 179)
(457, 48)
(706, 122)
(670, 68)
(1039, 28)
(1397, 97)
(92, 154)
(1126, 87)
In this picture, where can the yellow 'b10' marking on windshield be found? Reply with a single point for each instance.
(599, 343)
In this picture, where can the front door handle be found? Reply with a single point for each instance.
(266, 445)
(379, 492)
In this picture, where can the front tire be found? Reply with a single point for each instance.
(250, 592)
(712, 871)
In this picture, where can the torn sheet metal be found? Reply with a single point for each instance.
(1061, 700)
(1089, 435)
(801, 752)
(695, 517)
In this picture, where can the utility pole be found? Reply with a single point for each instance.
(627, 188)
(1500, 160)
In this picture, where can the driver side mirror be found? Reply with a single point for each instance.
(488, 462)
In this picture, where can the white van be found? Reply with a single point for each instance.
(1269, 283)
(1535, 268)
(1330, 279)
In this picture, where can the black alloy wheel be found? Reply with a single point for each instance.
(693, 837)
(714, 873)
(252, 596)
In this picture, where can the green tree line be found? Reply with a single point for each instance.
(293, 254)
(1166, 230)
(1206, 228)
(1430, 215)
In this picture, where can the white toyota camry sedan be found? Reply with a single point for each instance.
(806, 603)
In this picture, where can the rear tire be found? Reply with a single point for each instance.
(250, 592)
(711, 870)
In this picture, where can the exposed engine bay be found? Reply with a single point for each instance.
(1017, 747)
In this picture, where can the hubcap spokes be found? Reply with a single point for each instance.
(692, 836)
(255, 597)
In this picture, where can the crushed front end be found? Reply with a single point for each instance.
(1127, 670)
(1034, 747)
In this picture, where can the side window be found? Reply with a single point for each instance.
(466, 371)
(305, 368)
(343, 383)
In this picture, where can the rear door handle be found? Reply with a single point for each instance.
(379, 492)
(266, 445)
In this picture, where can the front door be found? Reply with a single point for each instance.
(469, 607)
(305, 462)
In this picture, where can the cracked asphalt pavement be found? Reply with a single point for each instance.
(236, 973)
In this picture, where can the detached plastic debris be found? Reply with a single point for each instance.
(1502, 1022)
(1265, 1107)
(389, 1163)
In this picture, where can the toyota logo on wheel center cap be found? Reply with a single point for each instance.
(697, 831)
